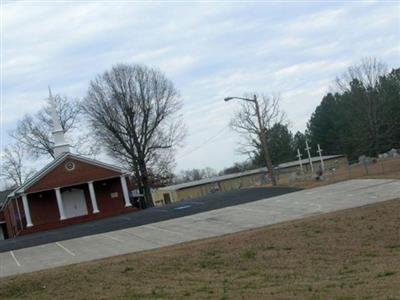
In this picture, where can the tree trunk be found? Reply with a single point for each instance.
(146, 184)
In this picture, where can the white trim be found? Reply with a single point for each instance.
(99, 163)
(125, 191)
(52, 165)
(27, 211)
(93, 197)
(74, 184)
(19, 213)
(60, 204)
(69, 166)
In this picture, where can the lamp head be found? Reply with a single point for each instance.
(228, 98)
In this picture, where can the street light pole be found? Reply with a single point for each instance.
(262, 136)
(264, 144)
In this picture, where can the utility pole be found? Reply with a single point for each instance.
(300, 162)
(263, 134)
(320, 157)
(309, 156)
(264, 144)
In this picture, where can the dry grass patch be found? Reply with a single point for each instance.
(351, 254)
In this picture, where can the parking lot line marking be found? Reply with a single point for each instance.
(140, 237)
(113, 238)
(65, 249)
(245, 209)
(196, 202)
(163, 229)
(183, 207)
(15, 259)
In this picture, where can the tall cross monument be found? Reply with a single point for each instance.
(320, 157)
(300, 162)
(309, 157)
(60, 145)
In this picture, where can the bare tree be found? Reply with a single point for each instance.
(368, 105)
(366, 73)
(245, 122)
(195, 174)
(134, 111)
(13, 168)
(160, 168)
(34, 131)
(238, 167)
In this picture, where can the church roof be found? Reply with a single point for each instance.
(3, 196)
(57, 161)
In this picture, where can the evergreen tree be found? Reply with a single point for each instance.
(299, 142)
(280, 143)
(361, 119)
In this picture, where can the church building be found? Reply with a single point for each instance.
(71, 189)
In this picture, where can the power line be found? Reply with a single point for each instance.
(202, 130)
(204, 143)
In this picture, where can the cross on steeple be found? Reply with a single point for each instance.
(60, 145)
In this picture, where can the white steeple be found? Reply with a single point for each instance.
(60, 145)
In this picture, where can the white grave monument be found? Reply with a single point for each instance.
(321, 159)
(300, 162)
(309, 157)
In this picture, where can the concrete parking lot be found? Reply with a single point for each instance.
(143, 217)
(201, 225)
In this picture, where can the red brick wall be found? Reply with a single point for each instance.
(13, 221)
(45, 214)
(77, 220)
(60, 177)
(20, 207)
(104, 189)
(108, 206)
(43, 207)
(9, 220)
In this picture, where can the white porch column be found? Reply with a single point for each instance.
(125, 191)
(27, 211)
(60, 204)
(93, 197)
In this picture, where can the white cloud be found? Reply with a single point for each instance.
(176, 65)
(325, 19)
(311, 68)
(209, 50)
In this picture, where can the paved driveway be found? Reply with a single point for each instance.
(153, 215)
(202, 225)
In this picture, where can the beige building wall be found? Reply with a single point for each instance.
(208, 188)
(237, 183)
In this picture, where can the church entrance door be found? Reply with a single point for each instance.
(74, 203)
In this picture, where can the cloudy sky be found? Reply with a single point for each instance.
(208, 49)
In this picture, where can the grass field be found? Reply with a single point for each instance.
(351, 254)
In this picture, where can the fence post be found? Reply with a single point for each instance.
(366, 167)
(383, 169)
(349, 169)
